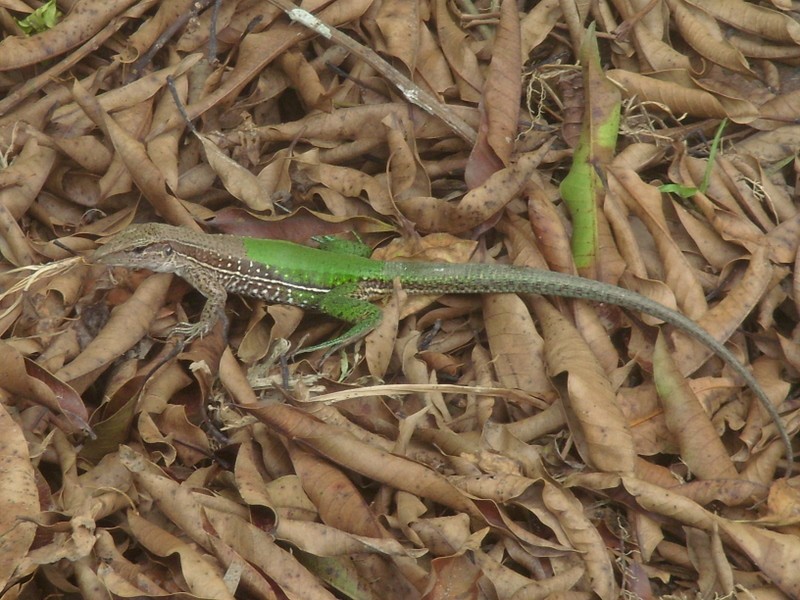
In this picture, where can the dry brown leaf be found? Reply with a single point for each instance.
(260, 49)
(698, 103)
(200, 575)
(775, 554)
(657, 54)
(667, 503)
(515, 344)
(338, 501)
(240, 182)
(126, 326)
(432, 68)
(645, 201)
(715, 574)
(305, 80)
(406, 177)
(74, 117)
(258, 548)
(477, 206)
(585, 537)
(500, 102)
(321, 540)
(27, 381)
(400, 24)
(336, 444)
(537, 23)
(725, 317)
(20, 183)
(168, 12)
(163, 149)
(599, 428)
(460, 57)
(705, 35)
(755, 19)
(19, 500)
(507, 582)
(700, 447)
(454, 577)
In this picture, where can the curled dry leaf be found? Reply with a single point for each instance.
(703, 451)
(19, 502)
(199, 574)
(240, 182)
(601, 433)
(500, 103)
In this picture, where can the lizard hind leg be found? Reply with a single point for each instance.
(342, 303)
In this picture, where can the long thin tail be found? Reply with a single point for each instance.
(442, 278)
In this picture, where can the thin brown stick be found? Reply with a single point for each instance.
(410, 90)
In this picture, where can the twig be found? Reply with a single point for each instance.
(165, 36)
(412, 92)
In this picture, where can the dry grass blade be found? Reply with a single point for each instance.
(37, 275)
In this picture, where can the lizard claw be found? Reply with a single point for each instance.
(193, 331)
(189, 331)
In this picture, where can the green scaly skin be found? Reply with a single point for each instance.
(343, 285)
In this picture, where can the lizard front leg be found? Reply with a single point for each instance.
(213, 310)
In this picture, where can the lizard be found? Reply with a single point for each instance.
(344, 284)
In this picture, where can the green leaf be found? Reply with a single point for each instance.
(687, 191)
(583, 189)
(43, 18)
(684, 191)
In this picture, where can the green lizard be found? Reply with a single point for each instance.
(343, 285)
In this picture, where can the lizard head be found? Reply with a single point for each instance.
(148, 246)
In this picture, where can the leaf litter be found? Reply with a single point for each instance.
(489, 447)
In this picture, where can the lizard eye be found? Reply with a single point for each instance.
(139, 249)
